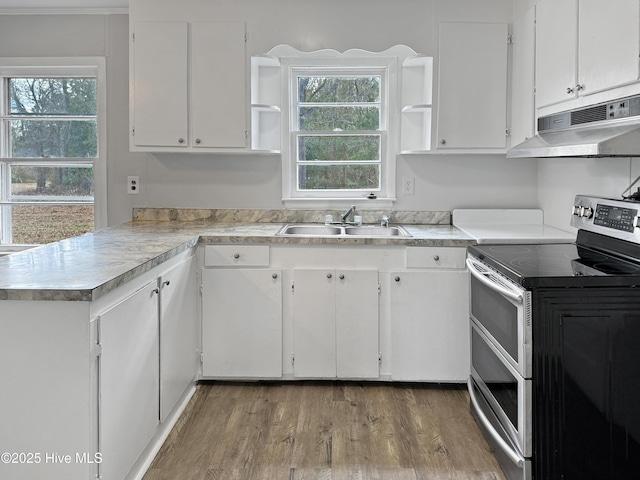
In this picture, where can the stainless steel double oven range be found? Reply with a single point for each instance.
(555, 348)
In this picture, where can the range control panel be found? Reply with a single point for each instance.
(615, 218)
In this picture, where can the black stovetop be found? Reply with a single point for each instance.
(593, 261)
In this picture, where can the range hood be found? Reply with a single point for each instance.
(609, 129)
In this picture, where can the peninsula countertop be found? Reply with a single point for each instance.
(86, 267)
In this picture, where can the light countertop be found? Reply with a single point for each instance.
(86, 267)
(509, 226)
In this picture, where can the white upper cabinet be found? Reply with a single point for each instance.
(585, 47)
(556, 36)
(218, 88)
(188, 88)
(472, 100)
(159, 100)
(609, 44)
(522, 90)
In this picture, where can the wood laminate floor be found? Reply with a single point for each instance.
(325, 431)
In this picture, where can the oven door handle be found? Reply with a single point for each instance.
(514, 456)
(483, 277)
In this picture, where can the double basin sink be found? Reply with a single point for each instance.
(316, 230)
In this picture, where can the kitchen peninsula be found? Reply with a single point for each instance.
(103, 331)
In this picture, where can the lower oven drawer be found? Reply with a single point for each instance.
(514, 464)
(505, 390)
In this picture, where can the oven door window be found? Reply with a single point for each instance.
(498, 315)
(501, 384)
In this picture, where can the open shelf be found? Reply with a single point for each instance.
(265, 104)
(416, 111)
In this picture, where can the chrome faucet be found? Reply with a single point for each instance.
(346, 214)
(385, 221)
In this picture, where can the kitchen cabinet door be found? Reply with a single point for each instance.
(159, 87)
(129, 380)
(556, 61)
(178, 334)
(189, 91)
(314, 324)
(218, 87)
(357, 344)
(472, 99)
(608, 44)
(335, 324)
(584, 47)
(430, 326)
(242, 323)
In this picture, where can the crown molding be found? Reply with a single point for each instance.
(64, 11)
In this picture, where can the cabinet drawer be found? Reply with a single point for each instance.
(236, 255)
(436, 257)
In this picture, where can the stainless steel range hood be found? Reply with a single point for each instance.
(609, 129)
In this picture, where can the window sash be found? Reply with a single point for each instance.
(17, 199)
(80, 67)
(298, 163)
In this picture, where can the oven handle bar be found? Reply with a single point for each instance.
(504, 446)
(484, 278)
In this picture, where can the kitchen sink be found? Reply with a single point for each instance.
(377, 231)
(317, 230)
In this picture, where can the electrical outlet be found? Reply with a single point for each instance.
(133, 185)
(408, 185)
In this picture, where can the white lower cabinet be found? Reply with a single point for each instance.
(430, 325)
(179, 334)
(335, 323)
(335, 312)
(148, 361)
(242, 323)
(86, 376)
(429, 316)
(129, 380)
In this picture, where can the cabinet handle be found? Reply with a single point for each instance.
(341, 276)
(397, 279)
(155, 290)
(443, 142)
(166, 283)
(579, 87)
(198, 141)
(236, 255)
(275, 275)
(181, 140)
(569, 90)
(329, 275)
(436, 257)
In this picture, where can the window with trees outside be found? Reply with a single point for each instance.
(341, 125)
(49, 146)
(339, 132)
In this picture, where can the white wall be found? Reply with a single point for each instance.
(442, 182)
(561, 179)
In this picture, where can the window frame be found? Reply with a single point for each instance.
(381, 132)
(351, 62)
(93, 67)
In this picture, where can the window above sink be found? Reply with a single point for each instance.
(338, 118)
